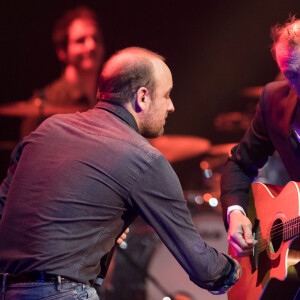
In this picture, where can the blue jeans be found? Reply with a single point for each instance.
(48, 291)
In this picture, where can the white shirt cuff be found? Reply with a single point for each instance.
(232, 208)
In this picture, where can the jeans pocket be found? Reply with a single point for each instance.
(88, 293)
(68, 295)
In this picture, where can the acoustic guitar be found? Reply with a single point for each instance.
(272, 271)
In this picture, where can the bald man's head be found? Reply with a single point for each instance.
(125, 72)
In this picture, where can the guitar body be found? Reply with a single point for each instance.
(273, 271)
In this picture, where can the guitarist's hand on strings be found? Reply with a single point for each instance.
(240, 234)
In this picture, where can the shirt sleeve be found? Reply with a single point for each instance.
(157, 196)
(14, 159)
(242, 166)
(232, 208)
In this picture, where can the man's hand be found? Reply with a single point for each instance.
(240, 234)
(122, 237)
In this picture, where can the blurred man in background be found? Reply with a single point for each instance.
(79, 46)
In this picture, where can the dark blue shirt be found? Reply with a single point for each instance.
(77, 182)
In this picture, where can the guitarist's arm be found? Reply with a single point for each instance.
(241, 168)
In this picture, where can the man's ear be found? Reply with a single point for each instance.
(142, 99)
(61, 54)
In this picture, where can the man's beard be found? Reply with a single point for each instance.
(151, 132)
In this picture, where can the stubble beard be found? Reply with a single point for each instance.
(151, 132)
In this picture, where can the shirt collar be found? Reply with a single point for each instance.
(119, 111)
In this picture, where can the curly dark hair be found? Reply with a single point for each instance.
(288, 34)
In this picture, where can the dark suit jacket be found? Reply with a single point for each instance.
(270, 130)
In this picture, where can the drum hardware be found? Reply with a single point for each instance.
(239, 121)
(146, 274)
(141, 243)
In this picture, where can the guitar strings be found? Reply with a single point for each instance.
(285, 226)
(276, 231)
(277, 235)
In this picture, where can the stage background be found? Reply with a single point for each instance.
(215, 49)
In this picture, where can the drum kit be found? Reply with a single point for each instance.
(144, 268)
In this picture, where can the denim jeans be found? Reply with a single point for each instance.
(47, 291)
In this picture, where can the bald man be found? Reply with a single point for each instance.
(79, 180)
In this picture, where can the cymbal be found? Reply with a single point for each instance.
(252, 92)
(179, 147)
(221, 149)
(36, 108)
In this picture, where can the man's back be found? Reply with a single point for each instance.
(69, 191)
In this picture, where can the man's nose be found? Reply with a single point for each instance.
(90, 43)
(171, 107)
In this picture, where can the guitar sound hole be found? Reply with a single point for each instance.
(276, 235)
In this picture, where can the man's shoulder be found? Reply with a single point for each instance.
(146, 148)
(277, 87)
(275, 92)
